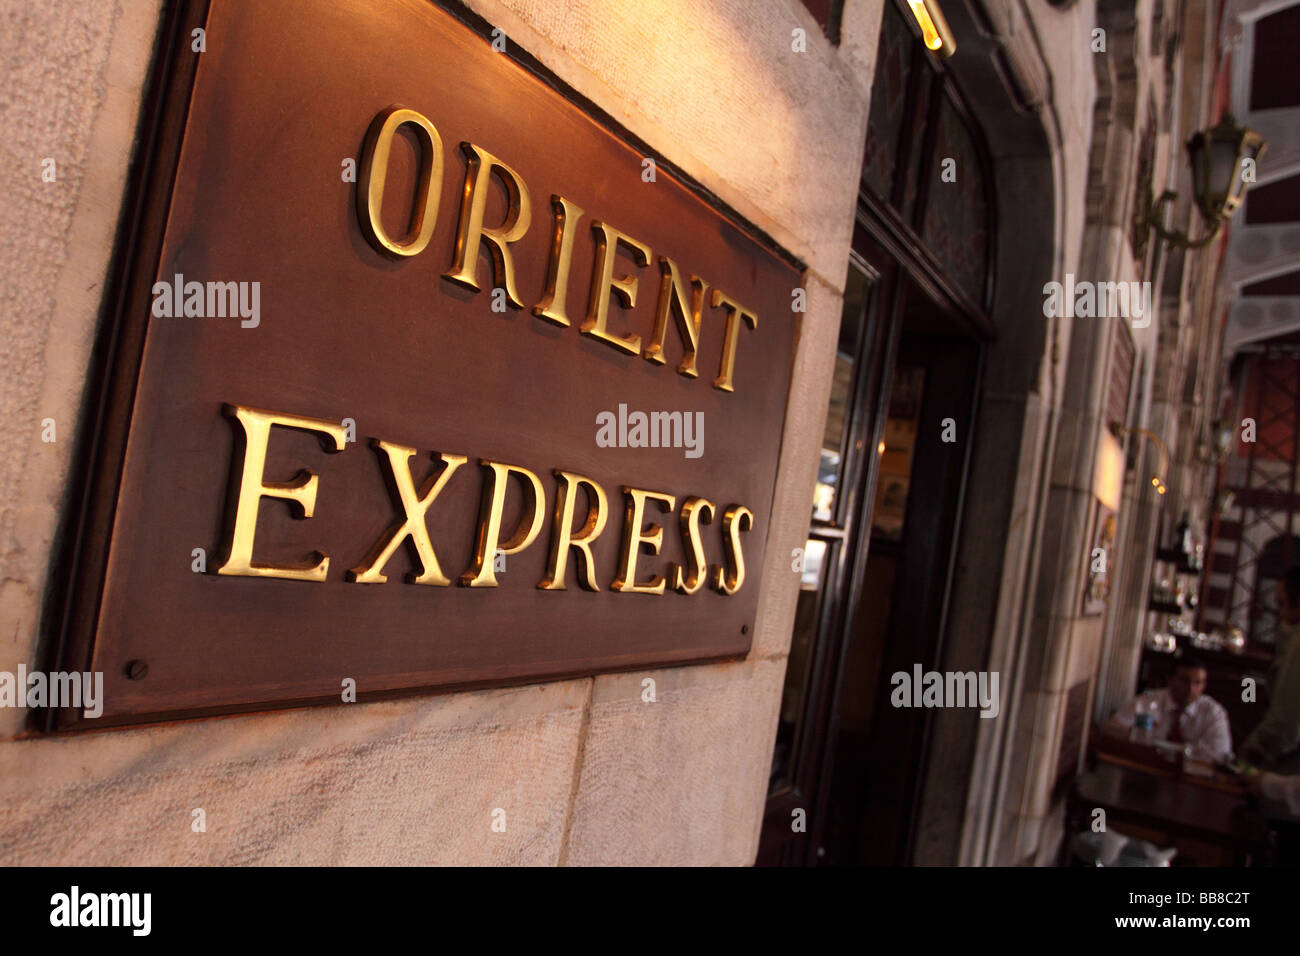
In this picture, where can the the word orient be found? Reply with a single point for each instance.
(684, 298)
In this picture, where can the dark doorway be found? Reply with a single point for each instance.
(873, 599)
(877, 568)
(901, 600)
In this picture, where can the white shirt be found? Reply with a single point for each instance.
(1203, 724)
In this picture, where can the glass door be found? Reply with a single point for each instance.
(826, 566)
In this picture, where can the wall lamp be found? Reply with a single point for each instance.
(1218, 156)
(934, 28)
(1157, 482)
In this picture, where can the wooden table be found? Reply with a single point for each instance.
(1171, 804)
(1150, 759)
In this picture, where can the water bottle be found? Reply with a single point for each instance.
(1144, 720)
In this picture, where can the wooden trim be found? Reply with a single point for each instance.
(77, 574)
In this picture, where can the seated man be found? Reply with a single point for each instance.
(1184, 714)
(1275, 743)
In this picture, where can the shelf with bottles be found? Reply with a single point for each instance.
(1187, 554)
(1180, 635)
(1172, 599)
(1177, 597)
(1176, 593)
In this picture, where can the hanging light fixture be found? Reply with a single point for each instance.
(1218, 156)
(934, 28)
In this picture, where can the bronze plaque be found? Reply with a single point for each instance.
(401, 367)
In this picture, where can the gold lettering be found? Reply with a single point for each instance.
(563, 538)
(672, 291)
(735, 519)
(728, 364)
(472, 233)
(482, 572)
(634, 537)
(374, 174)
(256, 426)
(552, 306)
(415, 506)
(694, 511)
(603, 283)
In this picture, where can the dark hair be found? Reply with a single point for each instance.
(1189, 661)
(1291, 583)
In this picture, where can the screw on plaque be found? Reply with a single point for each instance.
(137, 669)
(744, 629)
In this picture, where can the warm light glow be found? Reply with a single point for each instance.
(934, 29)
(1162, 489)
(928, 32)
(1108, 474)
(880, 449)
(1155, 482)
